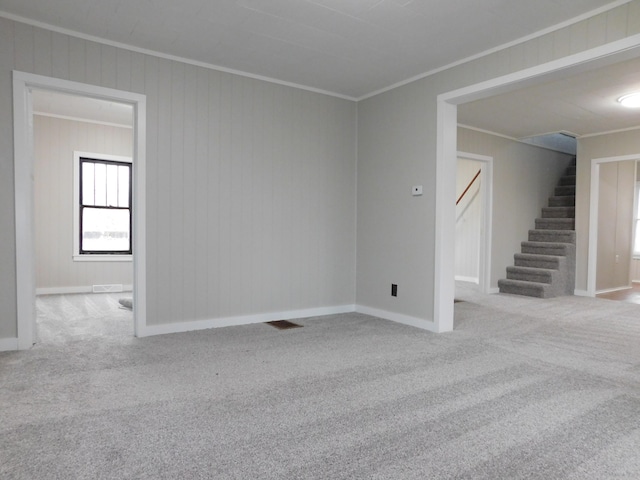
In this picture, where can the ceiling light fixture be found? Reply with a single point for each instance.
(632, 100)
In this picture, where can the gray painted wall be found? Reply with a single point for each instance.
(250, 185)
(55, 140)
(397, 149)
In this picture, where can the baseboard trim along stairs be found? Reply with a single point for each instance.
(545, 268)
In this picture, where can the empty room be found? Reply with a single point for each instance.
(231, 244)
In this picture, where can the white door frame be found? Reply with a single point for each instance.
(594, 197)
(446, 152)
(23, 83)
(486, 193)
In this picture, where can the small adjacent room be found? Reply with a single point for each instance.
(83, 150)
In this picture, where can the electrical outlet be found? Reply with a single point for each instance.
(394, 290)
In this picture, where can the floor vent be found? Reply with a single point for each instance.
(283, 324)
(455, 300)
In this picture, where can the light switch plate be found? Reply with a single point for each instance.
(416, 190)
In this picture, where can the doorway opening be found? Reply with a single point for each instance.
(24, 86)
(613, 206)
(446, 149)
(474, 193)
(83, 150)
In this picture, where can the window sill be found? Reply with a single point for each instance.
(102, 258)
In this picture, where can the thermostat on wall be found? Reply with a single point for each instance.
(416, 190)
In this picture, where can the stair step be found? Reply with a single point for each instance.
(571, 170)
(564, 190)
(567, 180)
(562, 201)
(548, 248)
(555, 236)
(555, 224)
(558, 212)
(532, 274)
(552, 262)
(529, 289)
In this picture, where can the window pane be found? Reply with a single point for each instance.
(123, 186)
(112, 185)
(636, 247)
(105, 230)
(101, 184)
(87, 184)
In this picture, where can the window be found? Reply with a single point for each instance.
(103, 214)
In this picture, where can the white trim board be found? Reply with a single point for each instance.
(8, 344)
(615, 289)
(181, 327)
(446, 151)
(397, 317)
(475, 280)
(72, 290)
(23, 84)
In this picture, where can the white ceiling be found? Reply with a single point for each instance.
(582, 104)
(82, 108)
(350, 48)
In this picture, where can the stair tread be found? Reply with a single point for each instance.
(532, 269)
(525, 283)
(526, 288)
(555, 219)
(550, 231)
(539, 256)
(535, 243)
(545, 245)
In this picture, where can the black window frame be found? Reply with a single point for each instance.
(81, 206)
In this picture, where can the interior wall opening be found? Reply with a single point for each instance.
(82, 216)
(24, 85)
(444, 273)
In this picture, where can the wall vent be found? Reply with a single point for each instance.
(116, 287)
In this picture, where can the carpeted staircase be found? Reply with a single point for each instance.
(546, 266)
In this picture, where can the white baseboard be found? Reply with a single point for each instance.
(581, 293)
(150, 330)
(460, 278)
(68, 290)
(8, 344)
(493, 290)
(398, 317)
(616, 289)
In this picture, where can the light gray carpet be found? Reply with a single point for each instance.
(524, 388)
